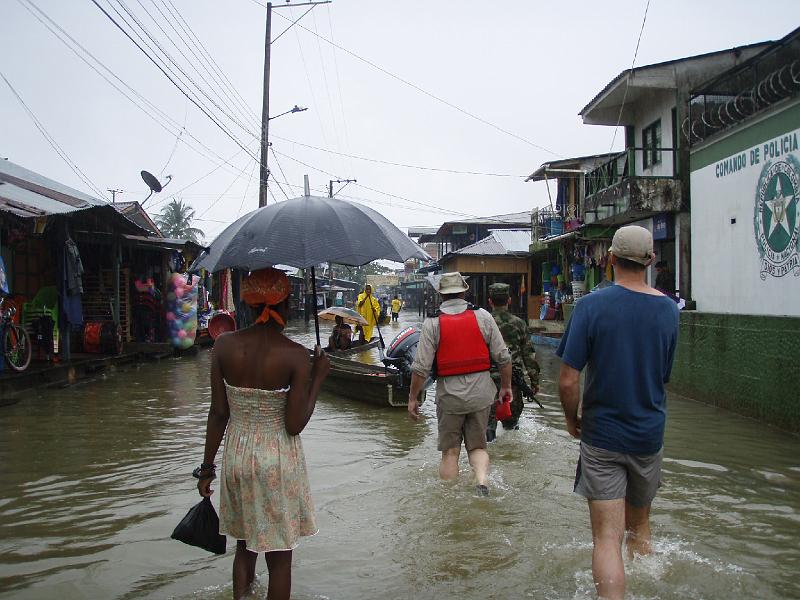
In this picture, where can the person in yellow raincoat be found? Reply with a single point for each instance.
(368, 307)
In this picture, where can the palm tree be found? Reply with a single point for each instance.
(175, 221)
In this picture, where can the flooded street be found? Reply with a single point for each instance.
(97, 475)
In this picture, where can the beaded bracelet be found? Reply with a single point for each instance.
(205, 467)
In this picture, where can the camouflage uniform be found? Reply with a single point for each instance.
(523, 356)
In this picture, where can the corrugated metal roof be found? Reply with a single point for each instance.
(622, 76)
(26, 194)
(500, 242)
(39, 184)
(25, 203)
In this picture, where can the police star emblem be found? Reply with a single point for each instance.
(776, 222)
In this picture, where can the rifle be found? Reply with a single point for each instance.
(518, 380)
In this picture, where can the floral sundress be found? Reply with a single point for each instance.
(265, 498)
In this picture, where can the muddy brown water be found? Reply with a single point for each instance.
(95, 477)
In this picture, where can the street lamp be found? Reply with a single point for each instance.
(294, 109)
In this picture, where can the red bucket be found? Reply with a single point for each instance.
(221, 323)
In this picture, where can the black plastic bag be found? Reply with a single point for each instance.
(200, 527)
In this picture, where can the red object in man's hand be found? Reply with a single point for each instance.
(503, 411)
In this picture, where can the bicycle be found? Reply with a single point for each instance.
(14, 340)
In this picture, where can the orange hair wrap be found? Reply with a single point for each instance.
(267, 286)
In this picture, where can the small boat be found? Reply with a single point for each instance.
(379, 385)
(373, 384)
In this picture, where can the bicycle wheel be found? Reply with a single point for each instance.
(17, 347)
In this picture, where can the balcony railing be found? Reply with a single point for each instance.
(613, 188)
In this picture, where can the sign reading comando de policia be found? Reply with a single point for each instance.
(776, 222)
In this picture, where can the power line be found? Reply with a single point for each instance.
(430, 207)
(215, 86)
(280, 168)
(186, 187)
(51, 140)
(327, 87)
(396, 164)
(628, 78)
(160, 68)
(310, 85)
(279, 185)
(170, 59)
(221, 195)
(203, 50)
(423, 91)
(293, 23)
(61, 34)
(246, 189)
(339, 85)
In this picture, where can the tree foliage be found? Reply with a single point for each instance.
(175, 221)
(359, 274)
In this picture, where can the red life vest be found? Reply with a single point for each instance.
(462, 348)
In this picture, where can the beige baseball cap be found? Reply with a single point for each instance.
(633, 243)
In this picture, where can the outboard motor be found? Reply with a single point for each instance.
(401, 352)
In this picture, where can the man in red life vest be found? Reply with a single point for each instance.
(463, 340)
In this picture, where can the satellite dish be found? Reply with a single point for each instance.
(153, 183)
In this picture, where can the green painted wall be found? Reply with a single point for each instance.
(749, 364)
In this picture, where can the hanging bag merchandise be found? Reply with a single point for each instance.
(200, 527)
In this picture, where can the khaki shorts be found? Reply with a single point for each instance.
(469, 428)
(606, 475)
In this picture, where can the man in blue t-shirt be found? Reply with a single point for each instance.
(625, 336)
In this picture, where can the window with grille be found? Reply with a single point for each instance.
(651, 142)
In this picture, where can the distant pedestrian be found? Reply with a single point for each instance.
(625, 335)
(523, 355)
(263, 392)
(463, 340)
(396, 306)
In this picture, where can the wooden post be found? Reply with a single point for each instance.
(116, 258)
(64, 348)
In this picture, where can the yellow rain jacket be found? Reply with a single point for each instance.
(370, 310)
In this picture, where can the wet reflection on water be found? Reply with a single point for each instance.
(97, 476)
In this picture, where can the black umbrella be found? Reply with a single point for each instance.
(304, 232)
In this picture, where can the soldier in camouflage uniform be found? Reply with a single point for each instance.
(523, 356)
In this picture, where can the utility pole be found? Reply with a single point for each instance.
(114, 194)
(332, 181)
(264, 177)
(264, 171)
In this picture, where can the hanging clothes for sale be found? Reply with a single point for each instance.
(71, 283)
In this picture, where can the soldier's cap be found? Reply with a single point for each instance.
(451, 283)
(499, 290)
(633, 243)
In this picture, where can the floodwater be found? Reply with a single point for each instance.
(95, 477)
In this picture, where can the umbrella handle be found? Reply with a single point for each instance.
(314, 291)
(377, 322)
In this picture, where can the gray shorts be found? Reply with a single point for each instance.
(606, 475)
(469, 428)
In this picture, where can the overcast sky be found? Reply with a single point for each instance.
(523, 66)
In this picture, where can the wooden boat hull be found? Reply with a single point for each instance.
(371, 384)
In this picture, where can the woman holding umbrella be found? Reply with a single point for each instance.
(263, 391)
